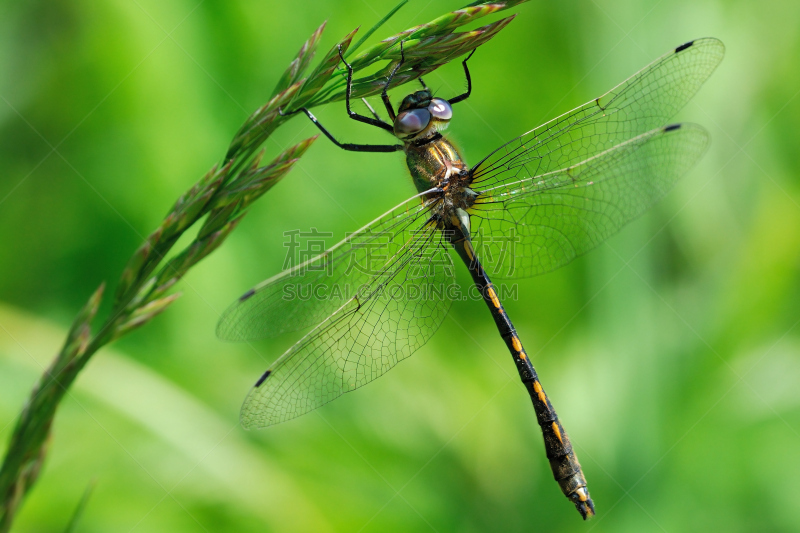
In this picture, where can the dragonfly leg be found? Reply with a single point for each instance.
(462, 97)
(425, 87)
(346, 146)
(385, 97)
(352, 114)
(364, 100)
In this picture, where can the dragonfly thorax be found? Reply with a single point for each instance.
(437, 164)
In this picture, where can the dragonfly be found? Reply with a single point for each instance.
(532, 205)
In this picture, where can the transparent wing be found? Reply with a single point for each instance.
(305, 295)
(539, 224)
(646, 100)
(395, 314)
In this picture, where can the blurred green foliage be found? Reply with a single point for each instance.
(672, 353)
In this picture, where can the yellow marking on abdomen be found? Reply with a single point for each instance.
(469, 250)
(522, 355)
(516, 344)
(537, 387)
(493, 297)
(557, 432)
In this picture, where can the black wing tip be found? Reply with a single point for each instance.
(683, 47)
(247, 295)
(262, 378)
(672, 127)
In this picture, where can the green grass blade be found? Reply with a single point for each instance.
(76, 516)
(373, 29)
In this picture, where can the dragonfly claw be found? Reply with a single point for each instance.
(290, 113)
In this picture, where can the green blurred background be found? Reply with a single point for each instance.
(672, 353)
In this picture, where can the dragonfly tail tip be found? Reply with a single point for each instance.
(583, 503)
(586, 509)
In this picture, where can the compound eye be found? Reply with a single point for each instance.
(441, 109)
(411, 122)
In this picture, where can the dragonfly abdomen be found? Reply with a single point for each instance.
(563, 461)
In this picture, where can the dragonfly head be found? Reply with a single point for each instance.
(421, 115)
